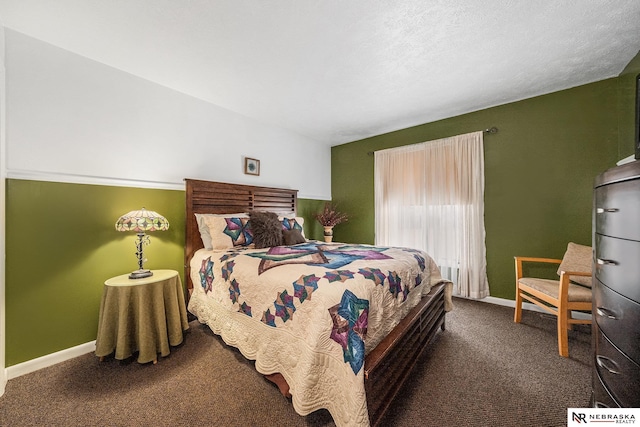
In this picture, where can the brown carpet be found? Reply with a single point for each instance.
(484, 370)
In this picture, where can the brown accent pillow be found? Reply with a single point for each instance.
(292, 237)
(266, 228)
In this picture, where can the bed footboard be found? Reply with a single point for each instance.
(388, 366)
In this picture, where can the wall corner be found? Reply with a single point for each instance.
(3, 175)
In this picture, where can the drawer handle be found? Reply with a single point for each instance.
(606, 210)
(602, 362)
(603, 312)
(606, 262)
(601, 405)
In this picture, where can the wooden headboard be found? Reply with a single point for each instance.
(220, 198)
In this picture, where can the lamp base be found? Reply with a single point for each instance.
(140, 274)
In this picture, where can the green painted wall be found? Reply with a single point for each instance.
(627, 125)
(61, 246)
(539, 172)
(307, 208)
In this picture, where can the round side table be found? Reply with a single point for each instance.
(141, 315)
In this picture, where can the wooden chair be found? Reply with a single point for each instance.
(559, 297)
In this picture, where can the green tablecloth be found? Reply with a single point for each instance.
(145, 315)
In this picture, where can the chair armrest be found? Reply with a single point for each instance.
(535, 259)
(577, 273)
(520, 259)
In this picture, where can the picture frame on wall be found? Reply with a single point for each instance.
(251, 166)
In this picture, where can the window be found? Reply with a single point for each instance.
(430, 196)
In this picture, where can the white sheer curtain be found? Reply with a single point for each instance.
(430, 196)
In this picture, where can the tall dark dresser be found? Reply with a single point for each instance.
(616, 288)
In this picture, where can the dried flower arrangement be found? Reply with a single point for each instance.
(330, 216)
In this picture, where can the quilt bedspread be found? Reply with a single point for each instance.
(311, 312)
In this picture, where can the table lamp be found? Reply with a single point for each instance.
(141, 221)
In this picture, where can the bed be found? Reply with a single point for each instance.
(333, 325)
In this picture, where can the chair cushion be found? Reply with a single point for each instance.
(578, 258)
(549, 287)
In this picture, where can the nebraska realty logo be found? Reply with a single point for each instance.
(600, 416)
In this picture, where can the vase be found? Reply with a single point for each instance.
(328, 233)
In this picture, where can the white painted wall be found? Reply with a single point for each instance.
(3, 174)
(73, 119)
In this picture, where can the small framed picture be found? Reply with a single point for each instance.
(251, 166)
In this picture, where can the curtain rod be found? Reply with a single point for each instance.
(492, 129)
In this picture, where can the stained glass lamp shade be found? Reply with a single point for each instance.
(141, 221)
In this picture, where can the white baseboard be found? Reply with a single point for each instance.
(528, 306)
(49, 360)
(3, 381)
(69, 353)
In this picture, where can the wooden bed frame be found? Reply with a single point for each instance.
(389, 364)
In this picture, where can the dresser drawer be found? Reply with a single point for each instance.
(617, 209)
(617, 265)
(601, 397)
(620, 375)
(618, 317)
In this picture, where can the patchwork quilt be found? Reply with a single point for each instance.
(311, 312)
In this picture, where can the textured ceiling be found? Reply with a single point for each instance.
(336, 70)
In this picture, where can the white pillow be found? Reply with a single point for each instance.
(205, 235)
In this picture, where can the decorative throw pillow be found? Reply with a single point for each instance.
(296, 223)
(578, 258)
(292, 237)
(204, 229)
(228, 232)
(267, 230)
